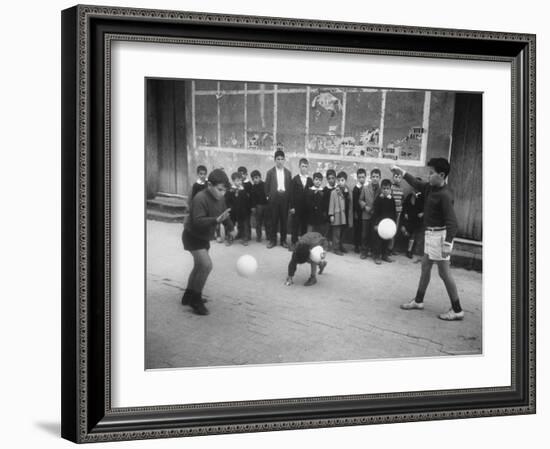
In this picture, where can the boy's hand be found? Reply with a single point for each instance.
(332, 218)
(253, 210)
(404, 231)
(289, 281)
(292, 211)
(224, 215)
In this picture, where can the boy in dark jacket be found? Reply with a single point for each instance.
(297, 204)
(200, 183)
(357, 211)
(238, 200)
(411, 220)
(383, 207)
(258, 203)
(316, 217)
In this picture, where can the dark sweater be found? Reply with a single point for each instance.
(383, 207)
(438, 206)
(314, 207)
(257, 194)
(197, 188)
(409, 216)
(239, 202)
(201, 221)
(297, 198)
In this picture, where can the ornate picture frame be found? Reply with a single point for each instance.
(87, 35)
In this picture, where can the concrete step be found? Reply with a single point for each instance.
(177, 205)
(168, 217)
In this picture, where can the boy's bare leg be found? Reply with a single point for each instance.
(444, 268)
(425, 274)
(201, 270)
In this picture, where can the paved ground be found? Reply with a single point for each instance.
(351, 314)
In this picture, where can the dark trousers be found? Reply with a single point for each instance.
(337, 235)
(381, 246)
(367, 234)
(299, 225)
(278, 206)
(243, 227)
(261, 218)
(357, 232)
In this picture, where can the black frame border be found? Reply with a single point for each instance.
(87, 33)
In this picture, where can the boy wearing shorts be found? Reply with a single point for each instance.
(207, 210)
(440, 226)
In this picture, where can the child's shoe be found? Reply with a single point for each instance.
(197, 304)
(412, 304)
(387, 259)
(451, 315)
(186, 298)
(311, 281)
(377, 260)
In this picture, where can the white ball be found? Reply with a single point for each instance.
(387, 228)
(316, 254)
(246, 265)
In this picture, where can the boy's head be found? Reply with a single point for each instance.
(385, 185)
(361, 176)
(331, 177)
(218, 183)
(317, 179)
(342, 178)
(243, 171)
(438, 170)
(237, 179)
(256, 176)
(303, 165)
(375, 176)
(279, 157)
(397, 179)
(201, 172)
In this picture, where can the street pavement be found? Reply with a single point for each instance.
(352, 313)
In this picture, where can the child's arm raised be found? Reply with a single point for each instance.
(415, 183)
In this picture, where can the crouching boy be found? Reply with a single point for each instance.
(311, 248)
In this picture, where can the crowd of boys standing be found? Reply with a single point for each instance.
(328, 210)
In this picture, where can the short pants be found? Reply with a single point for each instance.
(433, 244)
(192, 243)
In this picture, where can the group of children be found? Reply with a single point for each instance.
(319, 217)
(328, 210)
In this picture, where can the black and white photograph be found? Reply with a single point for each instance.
(291, 223)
